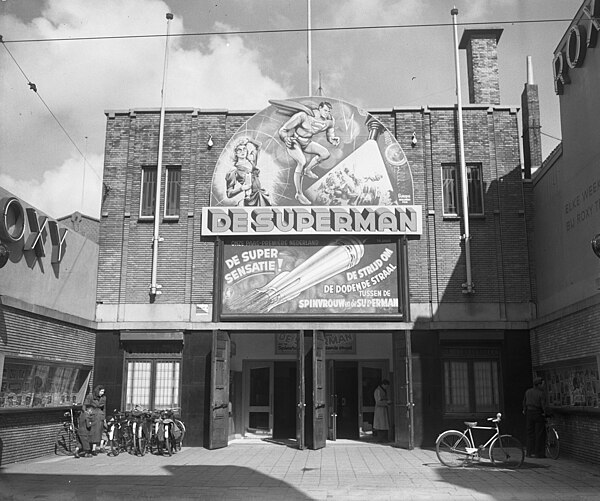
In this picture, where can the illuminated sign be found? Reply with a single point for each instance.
(12, 230)
(572, 51)
(318, 220)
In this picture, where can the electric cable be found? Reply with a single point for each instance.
(34, 88)
(287, 30)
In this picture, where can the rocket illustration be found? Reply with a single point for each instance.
(345, 253)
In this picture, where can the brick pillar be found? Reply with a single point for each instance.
(532, 136)
(482, 64)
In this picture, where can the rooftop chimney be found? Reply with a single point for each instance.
(530, 114)
(482, 64)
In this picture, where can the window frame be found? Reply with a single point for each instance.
(145, 169)
(456, 190)
(153, 359)
(169, 186)
(471, 356)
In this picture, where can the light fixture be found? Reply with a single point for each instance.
(596, 245)
(210, 143)
(413, 141)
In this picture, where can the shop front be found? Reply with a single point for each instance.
(337, 254)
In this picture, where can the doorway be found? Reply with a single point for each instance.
(346, 399)
(270, 399)
(351, 385)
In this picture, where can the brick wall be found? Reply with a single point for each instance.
(437, 264)
(572, 336)
(30, 434)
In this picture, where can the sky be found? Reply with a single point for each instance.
(52, 141)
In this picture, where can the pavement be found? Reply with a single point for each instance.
(265, 470)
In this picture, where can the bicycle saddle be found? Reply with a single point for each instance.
(470, 424)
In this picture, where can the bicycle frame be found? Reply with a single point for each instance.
(468, 433)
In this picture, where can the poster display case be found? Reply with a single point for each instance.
(34, 384)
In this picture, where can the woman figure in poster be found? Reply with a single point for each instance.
(244, 177)
(381, 423)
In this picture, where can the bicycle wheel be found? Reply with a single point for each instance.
(169, 445)
(114, 447)
(179, 441)
(507, 451)
(66, 442)
(552, 443)
(142, 443)
(451, 448)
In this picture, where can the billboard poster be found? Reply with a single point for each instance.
(346, 276)
(312, 151)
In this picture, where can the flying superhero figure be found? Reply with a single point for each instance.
(297, 134)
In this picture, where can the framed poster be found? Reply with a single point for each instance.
(344, 277)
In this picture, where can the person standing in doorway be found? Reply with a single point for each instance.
(381, 422)
(534, 409)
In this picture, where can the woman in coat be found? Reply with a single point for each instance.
(381, 423)
(94, 406)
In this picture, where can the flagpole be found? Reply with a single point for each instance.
(468, 286)
(309, 47)
(154, 287)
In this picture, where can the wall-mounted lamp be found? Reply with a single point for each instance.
(596, 245)
(210, 143)
(413, 141)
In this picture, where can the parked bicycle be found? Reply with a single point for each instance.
(167, 432)
(67, 438)
(141, 426)
(455, 448)
(552, 441)
(119, 434)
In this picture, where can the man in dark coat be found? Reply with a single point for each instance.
(534, 408)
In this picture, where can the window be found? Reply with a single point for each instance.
(148, 196)
(173, 191)
(471, 381)
(152, 383)
(450, 189)
(39, 383)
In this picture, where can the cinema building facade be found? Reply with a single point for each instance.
(303, 253)
(565, 337)
(47, 329)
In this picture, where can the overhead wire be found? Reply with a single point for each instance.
(34, 88)
(286, 30)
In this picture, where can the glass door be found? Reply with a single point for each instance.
(258, 398)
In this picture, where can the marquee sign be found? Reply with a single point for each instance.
(323, 162)
(571, 52)
(396, 219)
(15, 219)
(321, 179)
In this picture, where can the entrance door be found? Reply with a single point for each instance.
(300, 392)
(218, 426)
(346, 391)
(258, 398)
(371, 373)
(316, 430)
(284, 401)
(403, 391)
